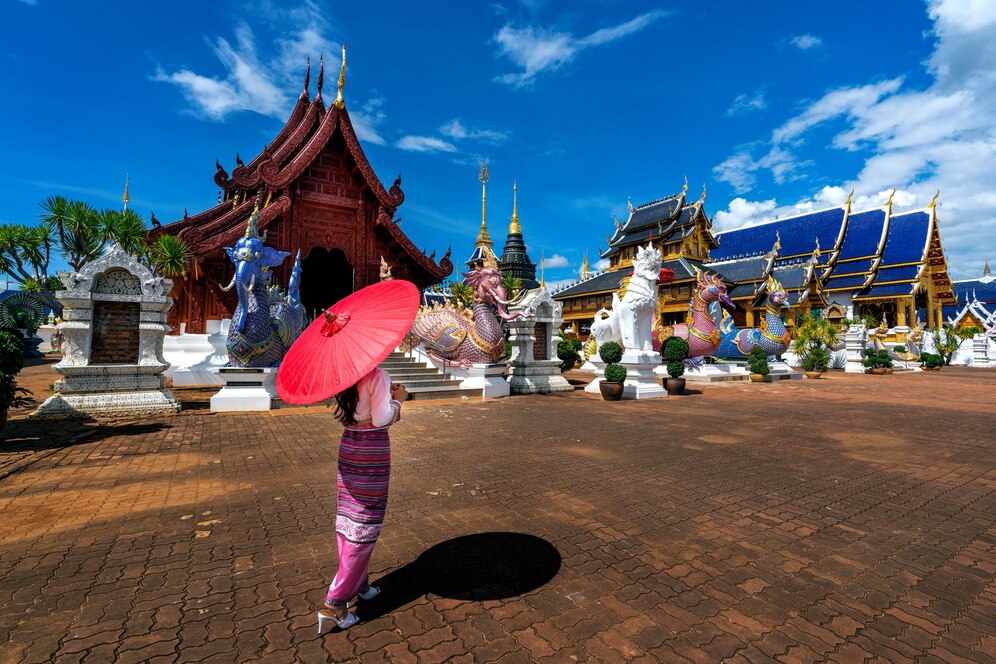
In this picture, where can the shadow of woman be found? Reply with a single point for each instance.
(474, 567)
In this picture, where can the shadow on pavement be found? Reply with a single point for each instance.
(475, 567)
(36, 435)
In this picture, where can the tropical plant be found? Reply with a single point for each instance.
(461, 293)
(757, 361)
(946, 341)
(968, 332)
(11, 362)
(567, 354)
(838, 361)
(931, 360)
(611, 352)
(675, 350)
(899, 349)
(512, 284)
(508, 349)
(577, 343)
(817, 359)
(869, 321)
(169, 256)
(814, 337)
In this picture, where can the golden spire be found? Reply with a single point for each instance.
(542, 268)
(483, 237)
(986, 272)
(933, 201)
(339, 103)
(585, 270)
(126, 198)
(514, 227)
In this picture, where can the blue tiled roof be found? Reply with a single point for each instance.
(906, 273)
(863, 266)
(907, 238)
(852, 281)
(792, 278)
(659, 211)
(885, 291)
(798, 235)
(742, 270)
(863, 233)
(606, 281)
(985, 292)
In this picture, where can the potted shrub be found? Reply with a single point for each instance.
(931, 361)
(11, 362)
(877, 363)
(816, 362)
(615, 373)
(814, 337)
(675, 350)
(757, 363)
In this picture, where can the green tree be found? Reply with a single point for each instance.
(512, 285)
(814, 337)
(462, 293)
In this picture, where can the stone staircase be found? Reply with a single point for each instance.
(421, 380)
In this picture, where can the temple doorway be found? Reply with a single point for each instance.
(326, 278)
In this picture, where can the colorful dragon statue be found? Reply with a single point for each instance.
(699, 329)
(459, 336)
(266, 322)
(772, 336)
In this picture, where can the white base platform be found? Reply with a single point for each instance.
(598, 368)
(711, 373)
(780, 370)
(489, 378)
(641, 381)
(538, 377)
(245, 390)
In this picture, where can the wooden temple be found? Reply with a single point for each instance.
(318, 195)
(873, 262)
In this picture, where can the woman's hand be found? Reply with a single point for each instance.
(398, 392)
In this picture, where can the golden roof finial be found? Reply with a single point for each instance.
(126, 198)
(892, 195)
(702, 196)
(339, 102)
(629, 204)
(933, 201)
(483, 237)
(514, 226)
(684, 188)
(850, 197)
(615, 220)
(816, 252)
(778, 243)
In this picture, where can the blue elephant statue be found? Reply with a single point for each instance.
(266, 321)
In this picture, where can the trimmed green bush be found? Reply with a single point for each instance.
(567, 354)
(899, 349)
(577, 343)
(11, 362)
(615, 373)
(674, 351)
(817, 359)
(757, 361)
(610, 352)
(931, 360)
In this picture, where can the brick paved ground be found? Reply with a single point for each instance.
(850, 519)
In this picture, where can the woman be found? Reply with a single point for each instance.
(366, 410)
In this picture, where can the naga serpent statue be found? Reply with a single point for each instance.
(699, 329)
(772, 336)
(631, 319)
(456, 335)
(266, 322)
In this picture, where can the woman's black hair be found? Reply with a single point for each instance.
(345, 405)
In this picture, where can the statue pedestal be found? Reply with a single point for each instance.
(195, 358)
(780, 370)
(489, 378)
(710, 373)
(855, 342)
(595, 365)
(245, 389)
(641, 381)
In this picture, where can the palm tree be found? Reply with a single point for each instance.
(462, 293)
(814, 332)
(512, 285)
(169, 256)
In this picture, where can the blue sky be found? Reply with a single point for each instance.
(774, 106)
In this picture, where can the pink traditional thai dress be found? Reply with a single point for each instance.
(364, 471)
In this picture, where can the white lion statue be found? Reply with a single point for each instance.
(631, 319)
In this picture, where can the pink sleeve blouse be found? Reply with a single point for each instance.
(375, 402)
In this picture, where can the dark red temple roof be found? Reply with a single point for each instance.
(308, 130)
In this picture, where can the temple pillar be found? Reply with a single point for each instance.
(750, 318)
(930, 313)
(901, 314)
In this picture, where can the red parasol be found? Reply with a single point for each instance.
(352, 337)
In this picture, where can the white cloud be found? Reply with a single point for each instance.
(742, 213)
(30, 2)
(252, 82)
(555, 261)
(536, 50)
(937, 137)
(425, 144)
(367, 119)
(806, 41)
(602, 264)
(456, 130)
(748, 102)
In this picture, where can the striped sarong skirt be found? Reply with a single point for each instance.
(363, 476)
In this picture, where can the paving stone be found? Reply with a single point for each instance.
(866, 538)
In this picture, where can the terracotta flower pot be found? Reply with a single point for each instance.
(758, 378)
(878, 371)
(888, 370)
(675, 386)
(813, 374)
(611, 391)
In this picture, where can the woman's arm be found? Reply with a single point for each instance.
(384, 411)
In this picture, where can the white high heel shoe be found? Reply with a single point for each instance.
(347, 622)
(372, 591)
